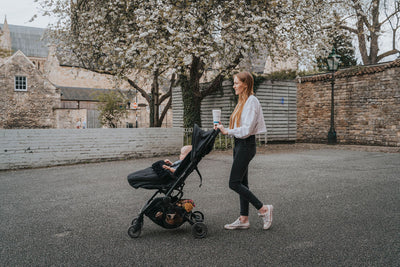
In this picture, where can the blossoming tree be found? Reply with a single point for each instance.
(184, 39)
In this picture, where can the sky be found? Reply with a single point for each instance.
(19, 12)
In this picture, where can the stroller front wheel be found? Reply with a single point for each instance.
(199, 230)
(135, 229)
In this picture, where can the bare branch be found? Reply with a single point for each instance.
(165, 110)
(219, 78)
(344, 27)
(388, 53)
(141, 91)
(169, 93)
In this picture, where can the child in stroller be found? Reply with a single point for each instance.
(171, 210)
(171, 166)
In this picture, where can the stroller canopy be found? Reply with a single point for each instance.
(202, 143)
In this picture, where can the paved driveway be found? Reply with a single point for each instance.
(333, 207)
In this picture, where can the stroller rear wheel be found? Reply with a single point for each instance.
(197, 216)
(135, 229)
(199, 230)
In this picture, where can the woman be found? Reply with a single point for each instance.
(246, 120)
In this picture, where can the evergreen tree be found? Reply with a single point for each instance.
(343, 46)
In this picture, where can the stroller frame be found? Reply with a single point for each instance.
(173, 194)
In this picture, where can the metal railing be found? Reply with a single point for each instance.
(222, 142)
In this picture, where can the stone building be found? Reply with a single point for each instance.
(26, 39)
(71, 82)
(27, 99)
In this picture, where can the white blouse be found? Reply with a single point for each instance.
(252, 120)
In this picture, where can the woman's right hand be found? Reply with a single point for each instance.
(222, 129)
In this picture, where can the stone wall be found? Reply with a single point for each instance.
(27, 148)
(367, 106)
(33, 108)
(68, 118)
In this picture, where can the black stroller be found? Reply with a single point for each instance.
(171, 210)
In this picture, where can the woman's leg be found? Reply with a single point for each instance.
(244, 203)
(243, 154)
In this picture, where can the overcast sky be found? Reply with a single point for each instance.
(19, 12)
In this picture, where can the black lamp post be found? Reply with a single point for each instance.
(136, 124)
(333, 65)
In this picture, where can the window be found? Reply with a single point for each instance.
(20, 83)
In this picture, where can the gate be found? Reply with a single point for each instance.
(93, 118)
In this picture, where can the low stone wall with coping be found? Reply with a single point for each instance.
(31, 148)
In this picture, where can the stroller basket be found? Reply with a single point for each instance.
(171, 210)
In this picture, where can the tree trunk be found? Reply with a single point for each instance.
(154, 98)
(191, 94)
(191, 103)
(374, 33)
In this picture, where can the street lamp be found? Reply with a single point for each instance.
(136, 124)
(333, 65)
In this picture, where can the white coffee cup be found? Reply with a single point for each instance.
(216, 116)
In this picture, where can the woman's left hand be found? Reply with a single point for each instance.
(222, 129)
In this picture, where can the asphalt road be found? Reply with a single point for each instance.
(332, 208)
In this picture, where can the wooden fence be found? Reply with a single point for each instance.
(222, 141)
(277, 98)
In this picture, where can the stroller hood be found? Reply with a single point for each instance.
(202, 143)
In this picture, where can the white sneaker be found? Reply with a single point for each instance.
(237, 225)
(267, 217)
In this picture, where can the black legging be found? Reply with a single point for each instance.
(243, 153)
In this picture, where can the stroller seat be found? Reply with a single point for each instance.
(149, 179)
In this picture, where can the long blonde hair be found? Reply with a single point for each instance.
(246, 78)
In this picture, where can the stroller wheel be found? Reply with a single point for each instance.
(199, 230)
(136, 221)
(197, 216)
(135, 229)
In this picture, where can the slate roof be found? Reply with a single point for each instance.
(80, 93)
(28, 40)
(353, 71)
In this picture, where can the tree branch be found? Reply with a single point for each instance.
(219, 78)
(358, 9)
(165, 110)
(169, 93)
(344, 27)
(389, 17)
(165, 96)
(386, 54)
(142, 92)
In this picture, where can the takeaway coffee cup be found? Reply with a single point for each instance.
(216, 116)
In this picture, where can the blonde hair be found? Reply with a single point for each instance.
(246, 78)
